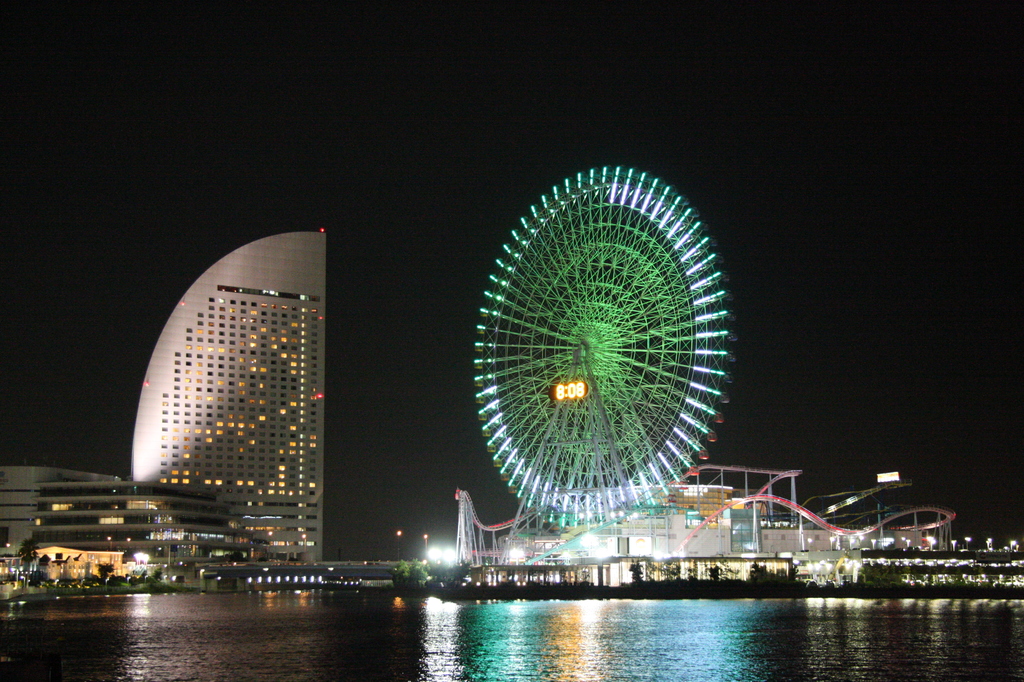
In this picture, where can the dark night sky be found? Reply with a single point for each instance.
(860, 171)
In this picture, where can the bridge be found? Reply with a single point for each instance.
(327, 575)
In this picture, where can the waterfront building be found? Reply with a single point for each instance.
(66, 564)
(232, 401)
(166, 523)
(19, 488)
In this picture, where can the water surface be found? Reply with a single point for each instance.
(305, 636)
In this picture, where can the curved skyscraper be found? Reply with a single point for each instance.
(233, 396)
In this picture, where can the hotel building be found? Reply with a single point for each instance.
(232, 401)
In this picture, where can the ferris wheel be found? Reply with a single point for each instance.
(602, 354)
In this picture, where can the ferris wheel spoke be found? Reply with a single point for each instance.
(526, 345)
(524, 322)
(650, 370)
(668, 332)
(526, 365)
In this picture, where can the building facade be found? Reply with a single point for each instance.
(232, 401)
(19, 488)
(171, 523)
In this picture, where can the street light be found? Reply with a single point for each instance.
(426, 547)
(398, 544)
(1013, 545)
(968, 541)
(988, 543)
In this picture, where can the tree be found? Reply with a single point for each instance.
(409, 574)
(106, 570)
(418, 574)
(28, 550)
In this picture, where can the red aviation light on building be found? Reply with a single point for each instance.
(323, 229)
(318, 396)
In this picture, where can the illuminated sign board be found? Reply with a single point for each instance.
(889, 477)
(572, 390)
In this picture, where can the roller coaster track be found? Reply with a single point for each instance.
(945, 516)
(859, 495)
(466, 506)
(775, 474)
(470, 544)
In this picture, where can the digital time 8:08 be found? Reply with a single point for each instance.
(576, 389)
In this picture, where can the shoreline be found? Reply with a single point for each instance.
(681, 590)
(45, 594)
(721, 590)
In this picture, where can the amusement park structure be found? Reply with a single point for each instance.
(602, 359)
(705, 516)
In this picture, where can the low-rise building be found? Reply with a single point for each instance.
(19, 487)
(165, 524)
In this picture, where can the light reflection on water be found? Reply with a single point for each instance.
(304, 636)
(441, 660)
(816, 639)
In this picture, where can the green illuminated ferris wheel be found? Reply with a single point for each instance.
(602, 353)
